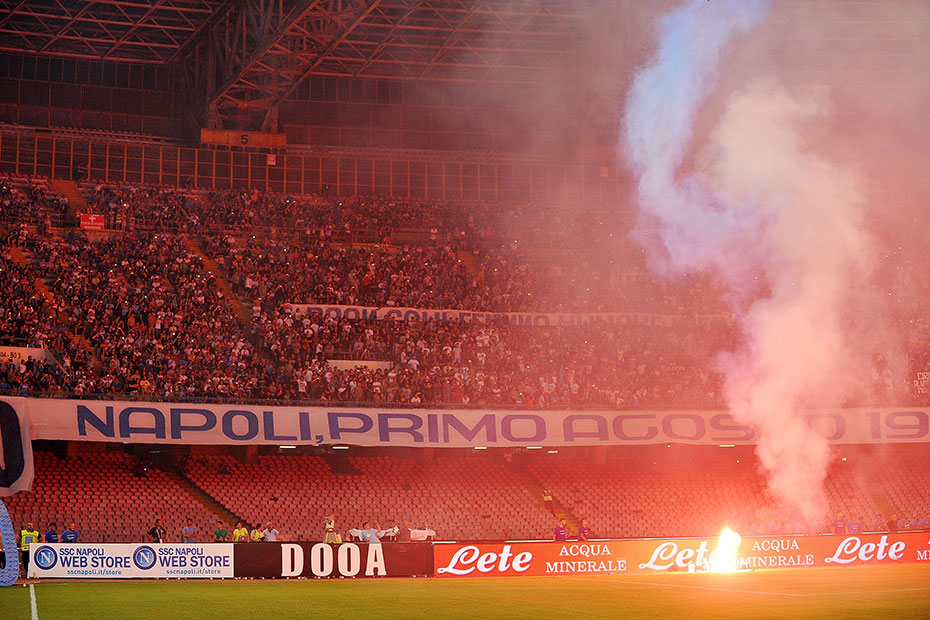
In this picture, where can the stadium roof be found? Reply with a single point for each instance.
(254, 53)
(496, 39)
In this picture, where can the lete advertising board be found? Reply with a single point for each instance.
(670, 555)
(130, 561)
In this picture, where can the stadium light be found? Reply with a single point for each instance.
(534, 447)
(553, 452)
(481, 447)
(727, 445)
(340, 447)
(286, 447)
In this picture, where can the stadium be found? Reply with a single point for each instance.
(464, 309)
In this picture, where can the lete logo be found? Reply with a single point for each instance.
(467, 559)
(667, 555)
(46, 558)
(144, 557)
(852, 549)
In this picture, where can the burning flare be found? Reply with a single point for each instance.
(725, 558)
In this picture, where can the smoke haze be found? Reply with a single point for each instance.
(739, 186)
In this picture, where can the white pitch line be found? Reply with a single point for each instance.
(32, 601)
(864, 592)
(798, 595)
(686, 586)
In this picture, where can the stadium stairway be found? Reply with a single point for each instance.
(468, 259)
(22, 260)
(871, 486)
(76, 200)
(530, 482)
(196, 246)
(222, 512)
(341, 465)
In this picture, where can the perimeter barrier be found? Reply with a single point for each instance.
(294, 560)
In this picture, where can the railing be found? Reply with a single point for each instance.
(296, 402)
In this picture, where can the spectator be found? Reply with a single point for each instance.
(240, 533)
(892, 524)
(561, 531)
(158, 533)
(220, 534)
(189, 532)
(583, 531)
(372, 534)
(854, 526)
(51, 534)
(270, 534)
(70, 535)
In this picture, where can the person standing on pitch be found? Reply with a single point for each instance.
(28, 536)
(561, 531)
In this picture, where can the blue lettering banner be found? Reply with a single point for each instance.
(216, 424)
(536, 319)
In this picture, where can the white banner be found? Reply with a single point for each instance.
(236, 424)
(18, 355)
(542, 319)
(16, 467)
(130, 561)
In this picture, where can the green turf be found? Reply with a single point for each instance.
(864, 592)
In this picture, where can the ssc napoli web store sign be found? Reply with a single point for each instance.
(131, 561)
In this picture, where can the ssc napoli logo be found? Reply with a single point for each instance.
(144, 557)
(46, 558)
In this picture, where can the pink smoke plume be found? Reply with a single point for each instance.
(782, 227)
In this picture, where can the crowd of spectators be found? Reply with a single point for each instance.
(301, 261)
(154, 315)
(30, 200)
(366, 217)
(160, 325)
(27, 319)
(496, 363)
(128, 206)
(295, 269)
(371, 218)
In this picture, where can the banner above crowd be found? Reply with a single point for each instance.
(18, 355)
(238, 424)
(539, 319)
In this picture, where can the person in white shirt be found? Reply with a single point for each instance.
(270, 534)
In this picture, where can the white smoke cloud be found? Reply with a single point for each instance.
(775, 221)
(816, 254)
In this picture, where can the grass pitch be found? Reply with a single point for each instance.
(864, 592)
